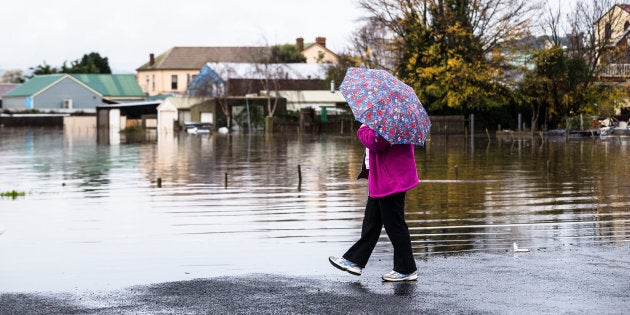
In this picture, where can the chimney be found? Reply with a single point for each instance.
(299, 43)
(151, 59)
(321, 41)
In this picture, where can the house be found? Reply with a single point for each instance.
(73, 92)
(172, 71)
(6, 88)
(611, 32)
(316, 52)
(240, 79)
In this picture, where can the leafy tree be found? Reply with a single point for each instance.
(43, 69)
(89, 63)
(442, 47)
(13, 76)
(287, 53)
(555, 89)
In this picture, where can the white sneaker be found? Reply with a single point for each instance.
(394, 276)
(345, 265)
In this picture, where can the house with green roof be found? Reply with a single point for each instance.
(73, 92)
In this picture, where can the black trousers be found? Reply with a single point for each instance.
(387, 211)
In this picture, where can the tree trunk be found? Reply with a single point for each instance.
(268, 124)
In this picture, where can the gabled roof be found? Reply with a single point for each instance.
(193, 58)
(6, 87)
(107, 85)
(317, 45)
(34, 85)
(624, 7)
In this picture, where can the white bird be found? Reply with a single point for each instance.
(516, 249)
(223, 130)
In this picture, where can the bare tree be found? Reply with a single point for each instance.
(269, 75)
(497, 21)
(553, 25)
(375, 45)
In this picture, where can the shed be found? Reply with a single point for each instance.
(182, 107)
(111, 118)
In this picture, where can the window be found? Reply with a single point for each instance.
(174, 82)
(153, 82)
(607, 31)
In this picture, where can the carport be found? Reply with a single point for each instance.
(111, 118)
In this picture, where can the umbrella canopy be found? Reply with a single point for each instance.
(387, 105)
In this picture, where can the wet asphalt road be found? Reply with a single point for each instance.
(593, 280)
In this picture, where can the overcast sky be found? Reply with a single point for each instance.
(127, 31)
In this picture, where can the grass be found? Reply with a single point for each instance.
(13, 194)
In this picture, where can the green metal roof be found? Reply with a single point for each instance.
(108, 85)
(34, 85)
(112, 85)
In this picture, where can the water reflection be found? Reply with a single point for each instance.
(235, 198)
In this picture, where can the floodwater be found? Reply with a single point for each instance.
(195, 206)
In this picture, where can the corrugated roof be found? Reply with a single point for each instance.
(184, 102)
(108, 85)
(193, 58)
(34, 85)
(112, 85)
(290, 71)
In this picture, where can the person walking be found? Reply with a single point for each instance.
(391, 171)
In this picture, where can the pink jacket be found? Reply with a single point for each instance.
(392, 167)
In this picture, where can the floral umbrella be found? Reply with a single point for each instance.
(387, 105)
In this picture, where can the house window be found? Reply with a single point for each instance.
(625, 25)
(174, 82)
(607, 31)
(153, 83)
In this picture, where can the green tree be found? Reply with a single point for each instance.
(559, 88)
(89, 63)
(287, 53)
(450, 71)
(441, 48)
(43, 69)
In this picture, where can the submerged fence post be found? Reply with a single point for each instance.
(299, 177)
(226, 180)
(548, 167)
(159, 182)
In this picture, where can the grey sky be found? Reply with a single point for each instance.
(126, 31)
